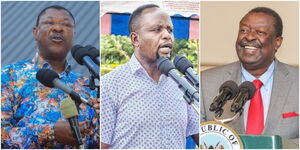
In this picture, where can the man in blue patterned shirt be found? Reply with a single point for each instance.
(30, 114)
(140, 107)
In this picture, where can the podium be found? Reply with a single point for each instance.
(217, 135)
(266, 142)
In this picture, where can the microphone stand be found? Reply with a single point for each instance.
(196, 86)
(79, 139)
(77, 135)
(93, 86)
(190, 98)
(191, 102)
(229, 119)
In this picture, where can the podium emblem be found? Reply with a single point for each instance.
(216, 135)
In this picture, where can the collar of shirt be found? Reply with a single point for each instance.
(138, 69)
(265, 78)
(39, 62)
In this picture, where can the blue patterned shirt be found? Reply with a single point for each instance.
(140, 113)
(29, 109)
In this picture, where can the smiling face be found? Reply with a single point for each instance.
(257, 43)
(54, 34)
(153, 35)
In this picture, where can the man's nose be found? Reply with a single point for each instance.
(251, 35)
(57, 27)
(166, 34)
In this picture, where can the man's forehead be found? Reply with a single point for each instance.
(151, 14)
(259, 16)
(51, 11)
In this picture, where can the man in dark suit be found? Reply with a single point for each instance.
(259, 38)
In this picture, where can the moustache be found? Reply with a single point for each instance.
(254, 43)
(57, 36)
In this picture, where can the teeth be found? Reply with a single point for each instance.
(250, 47)
(57, 39)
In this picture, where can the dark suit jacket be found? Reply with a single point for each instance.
(284, 98)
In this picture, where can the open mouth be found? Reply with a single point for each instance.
(166, 48)
(56, 38)
(250, 48)
(250, 45)
(167, 45)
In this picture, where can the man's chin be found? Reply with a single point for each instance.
(59, 48)
(56, 54)
(248, 59)
(250, 63)
(56, 57)
(165, 55)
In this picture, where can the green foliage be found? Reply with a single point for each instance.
(187, 48)
(117, 50)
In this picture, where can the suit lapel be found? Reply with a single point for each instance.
(278, 97)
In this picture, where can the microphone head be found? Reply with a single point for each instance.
(92, 52)
(250, 87)
(231, 86)
(182, 63)
(78, 52)
(68, 108)
(46, 77)
(164, 65)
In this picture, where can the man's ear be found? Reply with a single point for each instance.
(35, 32)
(74, 31)
(278, 42)
(134, 37)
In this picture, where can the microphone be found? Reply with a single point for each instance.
(186, 68)
(70, 112)
(81, 55)
(50, 79)
(93, 53)
(246, 92)
(227, 91)
(167, 68)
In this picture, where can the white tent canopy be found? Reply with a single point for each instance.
(184, 8)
